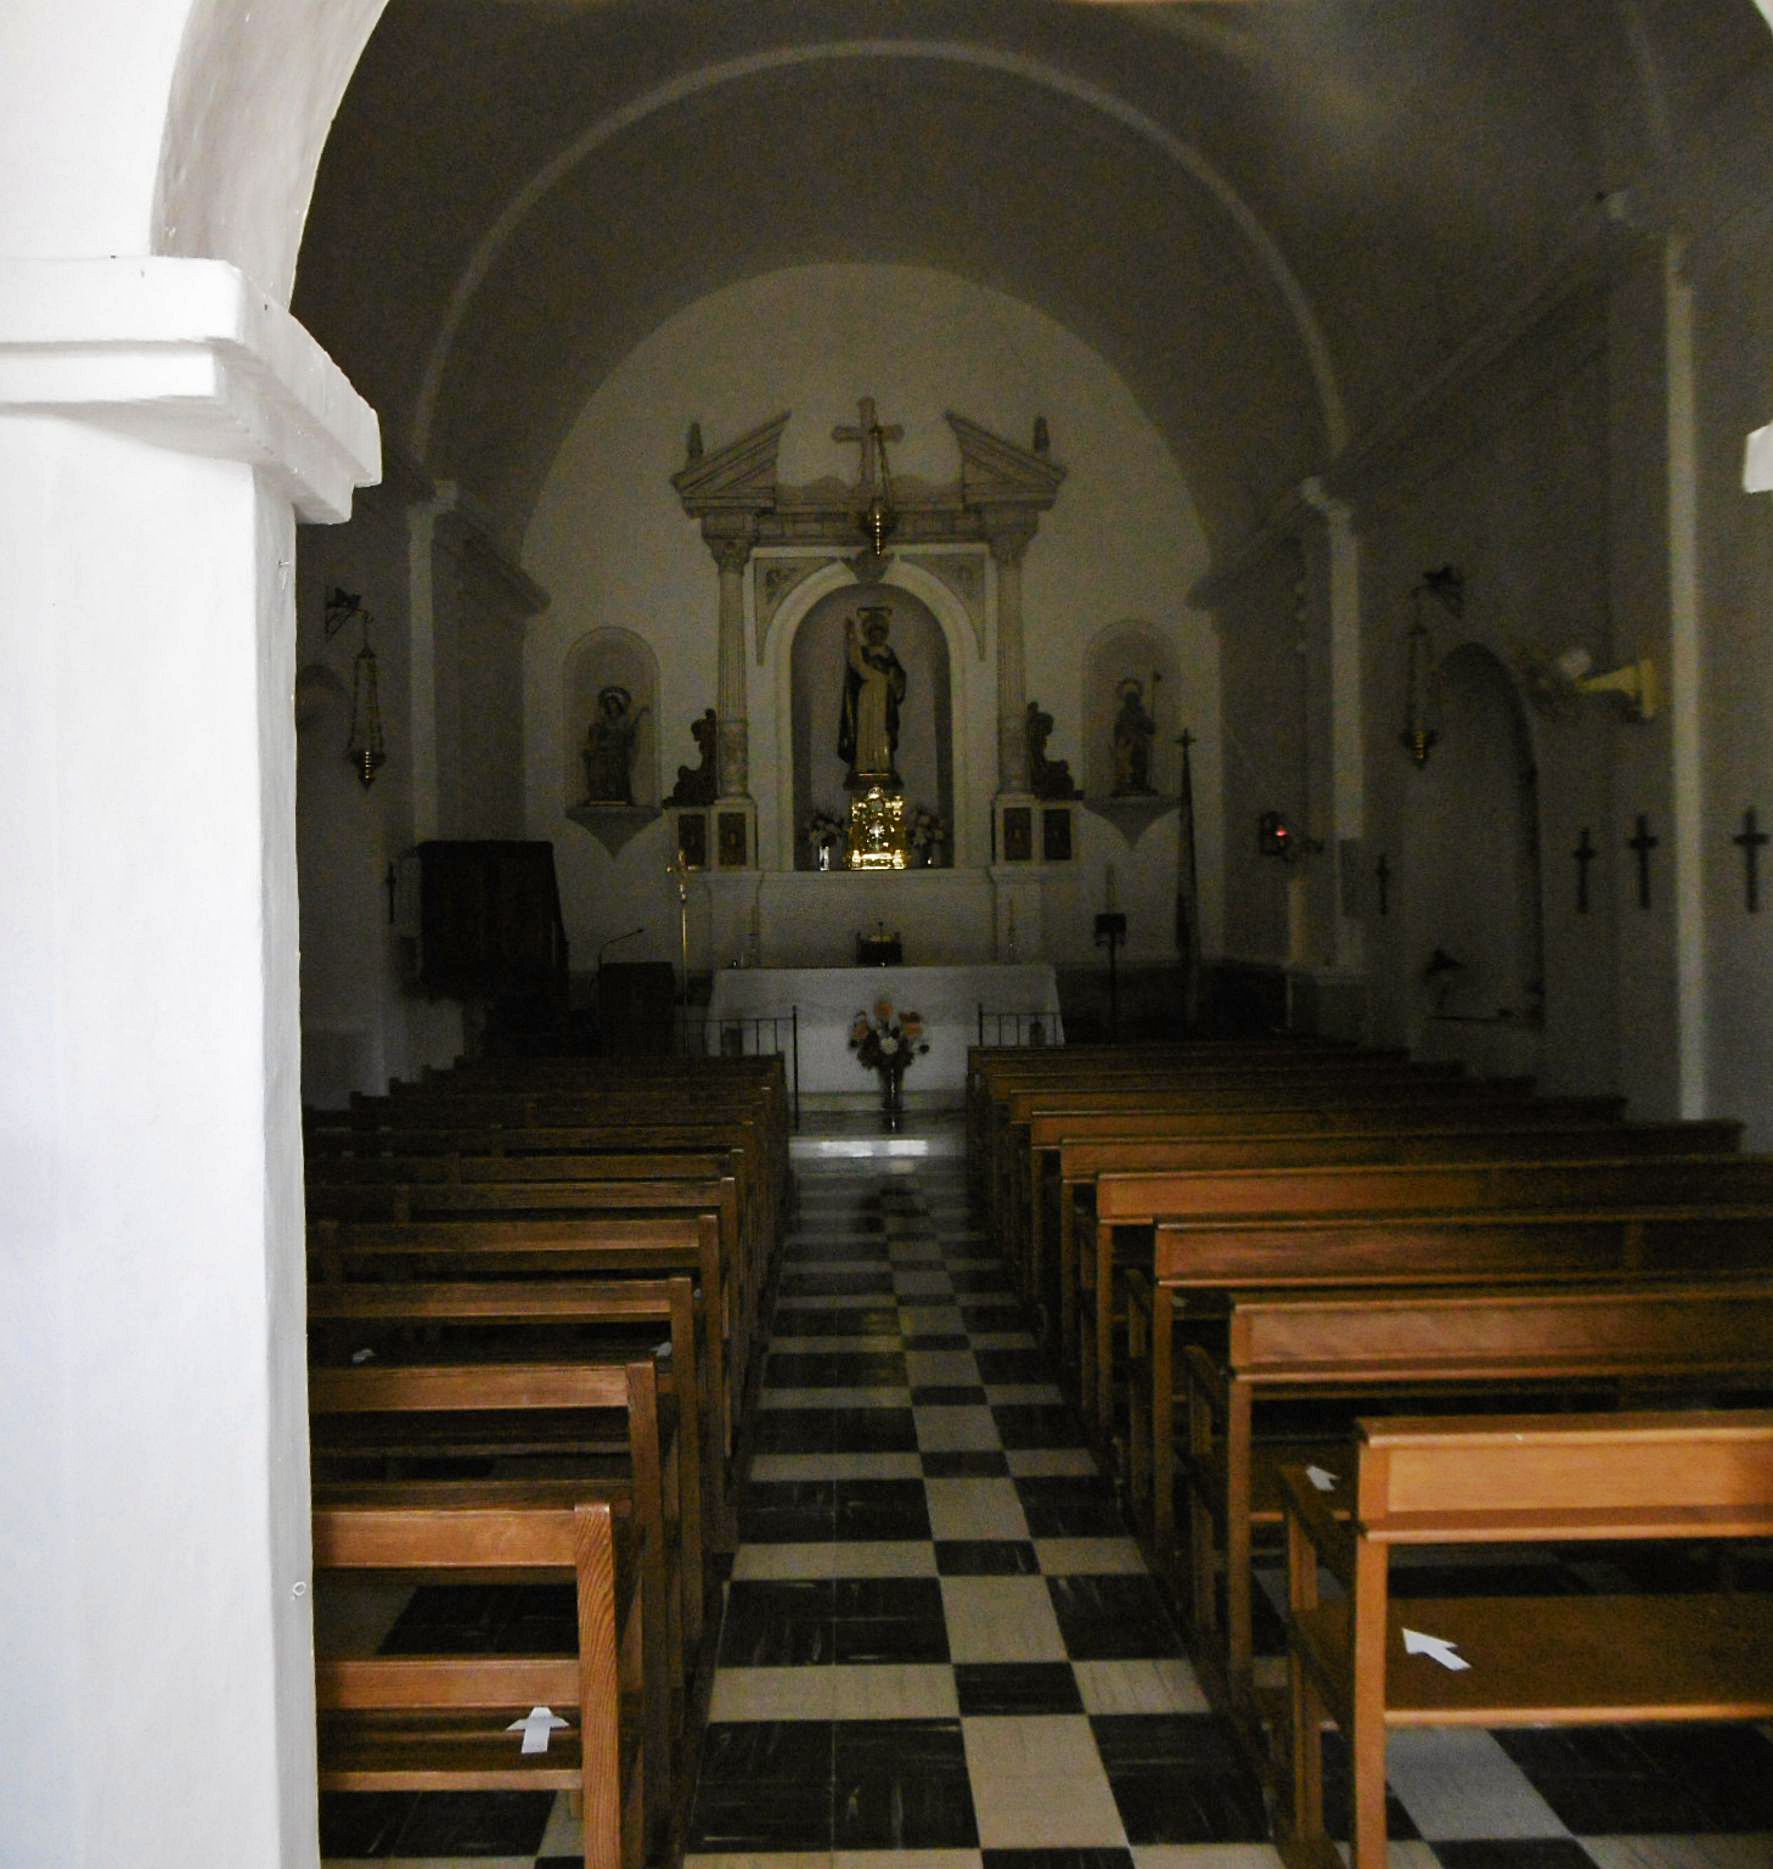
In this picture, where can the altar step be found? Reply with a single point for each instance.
(835, 1137)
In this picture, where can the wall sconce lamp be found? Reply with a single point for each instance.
(365, 747)
(1556, 684)
(1636, 685)
(1422, 687)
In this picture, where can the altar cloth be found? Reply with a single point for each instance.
(828, 999)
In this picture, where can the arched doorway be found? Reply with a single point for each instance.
(1477, 949)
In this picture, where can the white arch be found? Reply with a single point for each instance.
(957, 633)
(1184, 155)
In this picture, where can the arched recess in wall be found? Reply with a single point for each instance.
(912, 592)
(1477, 947)
(1131, 651)
(925, 755)
(609, 730)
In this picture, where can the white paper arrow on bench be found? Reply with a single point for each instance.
(1436, 1648)
(536, 1728)
(1321, 1478)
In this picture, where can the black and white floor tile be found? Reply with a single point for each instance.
(941, 1649)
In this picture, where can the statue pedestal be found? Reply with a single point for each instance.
(613, 825)
(720, 836)
(1026, 829)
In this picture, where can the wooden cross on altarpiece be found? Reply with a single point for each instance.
(869, 433)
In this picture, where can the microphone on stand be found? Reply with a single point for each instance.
(614, 940)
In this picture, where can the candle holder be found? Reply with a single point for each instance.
(1111, 933)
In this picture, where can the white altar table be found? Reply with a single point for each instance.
(828, 999)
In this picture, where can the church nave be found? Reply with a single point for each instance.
(940, 1648)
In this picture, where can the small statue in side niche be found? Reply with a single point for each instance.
(609, 748)
(699, 784)
(1047, 778)
(1134, 730)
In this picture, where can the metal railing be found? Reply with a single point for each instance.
(1032, 1030)
(763, 1036)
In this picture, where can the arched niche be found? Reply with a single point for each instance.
(935, 732)
(1139, 651)
(599, 660)
(1473, 841)
(817, 664)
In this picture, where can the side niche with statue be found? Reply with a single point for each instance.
(1134, 712)
(608, 752)
(609, 735)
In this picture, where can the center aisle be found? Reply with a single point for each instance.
(939, 1644)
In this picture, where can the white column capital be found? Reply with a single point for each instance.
(189, 355)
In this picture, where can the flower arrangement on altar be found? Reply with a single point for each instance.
(824, 836)
(888, 1041)
(927, 834)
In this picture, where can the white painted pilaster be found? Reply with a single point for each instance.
(161, 425)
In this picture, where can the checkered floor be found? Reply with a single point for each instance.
(940, 1648)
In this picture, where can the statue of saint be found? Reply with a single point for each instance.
(609, 749)
(1047, 778)
(1134, 730)
(699, 784)
(873, 687)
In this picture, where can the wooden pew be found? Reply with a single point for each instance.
(991, 1066)
(1400, 1090)
(1489, 1343)
(1135, 1200)
(1534, 1660)
(380, 1415)
(739, 1137)
(601, 1246)
(736, 1286)
(438, 1722)
(616, 1124)
(1209, 1260)
(1526, 1132)
(1310, 1084)
(730, 1084)
(348, 1314)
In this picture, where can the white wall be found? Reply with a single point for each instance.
(1735, 297)
(1516, 496)
(610, 542)
(452, 623)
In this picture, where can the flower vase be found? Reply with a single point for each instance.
(892, 1093)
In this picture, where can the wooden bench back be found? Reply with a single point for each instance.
(1415, 1187)
(1416, 1249)
(1084, 1161)
(1666, 1331)
(1637, 1474)
(1281, 1093)
(1053, 1128)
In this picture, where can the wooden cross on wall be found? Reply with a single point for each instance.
(1749, 841)
(1641, 845)
(867, 431)
(1584, 853)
